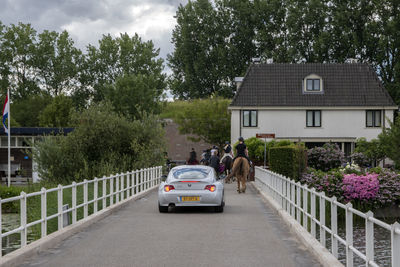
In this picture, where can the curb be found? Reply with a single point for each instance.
(20, 256)
(312, 244)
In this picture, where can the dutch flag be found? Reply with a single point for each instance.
(6, 111)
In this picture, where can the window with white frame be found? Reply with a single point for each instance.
(312, 84)
(249, 118)
(313, 118)
(373, 118)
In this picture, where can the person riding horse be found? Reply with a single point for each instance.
(241, 150)
(241, 166)
(193, 158)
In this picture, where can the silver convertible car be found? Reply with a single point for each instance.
(191, 185)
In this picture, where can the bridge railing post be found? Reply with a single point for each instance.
(104, 192)
(135, 182)
(23, 219)
(73, 202)
(349, 235)
(287, 196)
(122, 186)
(305, 207)
(43, 206)
(1, 230)
(111, 190)
(334, 227)
(369, 238)
(298, 202)
(85, 198)
(95, 189)
(141, 180)
(293, 198)
(313, 212)
(60, 206)
(322, 232)
(128, 186)
(395, 240)
(117, 189)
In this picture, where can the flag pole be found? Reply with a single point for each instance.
(9, 137)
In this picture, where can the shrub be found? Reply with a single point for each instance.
(360, 187)
(330, 182)
(101, 144)
(256, 148)
(6, 192)
(325, 158)
(389, 187)
(287, 160)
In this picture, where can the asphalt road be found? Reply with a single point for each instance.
(248, 233)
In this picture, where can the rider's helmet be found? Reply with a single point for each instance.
(241, 139)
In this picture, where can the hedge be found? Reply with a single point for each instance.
(289, 161)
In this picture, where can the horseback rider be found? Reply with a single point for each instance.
(214, 161)
(227, 151)
(193, 158)
(241, 150)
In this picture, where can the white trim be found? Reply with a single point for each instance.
(312, 107)
(313, 77)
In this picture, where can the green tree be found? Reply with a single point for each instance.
(19, 49)
(209, 119)
(101, 144)
(26, 111)
(57, 113)
(131, 95)
(57, 62)
(373, 149)
(390, 141)
(117, 57)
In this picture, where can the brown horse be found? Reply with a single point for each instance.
(240, 170)
(227, 161)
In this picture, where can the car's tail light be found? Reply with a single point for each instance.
(211, 188)
(168, 188)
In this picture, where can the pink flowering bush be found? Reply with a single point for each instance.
(360, 187)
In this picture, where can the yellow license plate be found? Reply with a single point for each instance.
(184, 199)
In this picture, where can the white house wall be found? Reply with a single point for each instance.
(291, 124)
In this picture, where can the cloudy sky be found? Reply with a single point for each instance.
(87, 20)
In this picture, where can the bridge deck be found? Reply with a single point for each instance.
(248, 233)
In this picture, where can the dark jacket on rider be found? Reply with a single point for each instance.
(214, 162)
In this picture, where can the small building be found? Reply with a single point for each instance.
(312, 103)
(22, 165)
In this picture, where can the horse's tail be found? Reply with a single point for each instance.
(240, 166)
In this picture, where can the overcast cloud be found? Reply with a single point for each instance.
(87, 20)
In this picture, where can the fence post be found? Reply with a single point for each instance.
(313, 212)
(60, 207)
(369, 238)
(85, 198)
(95, 188)
(1, 231)
(298, 202)
(141, 180)
(23, 219)
(288, 196)
(104, 192)
(334, 227)
(111, 190)
(134, 182)
(73, 202)
(128, 186)
(395, 238)
(322, 232)
(305, 207)
(117, 189)
(122, 186)
(293, 198)
(43, 200)
(349, 235)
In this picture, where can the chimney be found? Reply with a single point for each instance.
(238, 81)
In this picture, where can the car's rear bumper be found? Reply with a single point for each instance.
(175, 197)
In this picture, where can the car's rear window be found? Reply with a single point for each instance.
(191, 173)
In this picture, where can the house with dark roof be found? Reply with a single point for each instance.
(312, 103)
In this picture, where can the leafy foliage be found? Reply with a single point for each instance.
(209, 119)
(390, 141)
(287, 160)
(57, 113)
(102, 143)
(325, 158)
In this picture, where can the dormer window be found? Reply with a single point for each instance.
(312, 84)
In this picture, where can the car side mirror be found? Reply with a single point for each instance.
(164, 177)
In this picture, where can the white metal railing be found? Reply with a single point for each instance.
(127, 185)
(293, 198)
